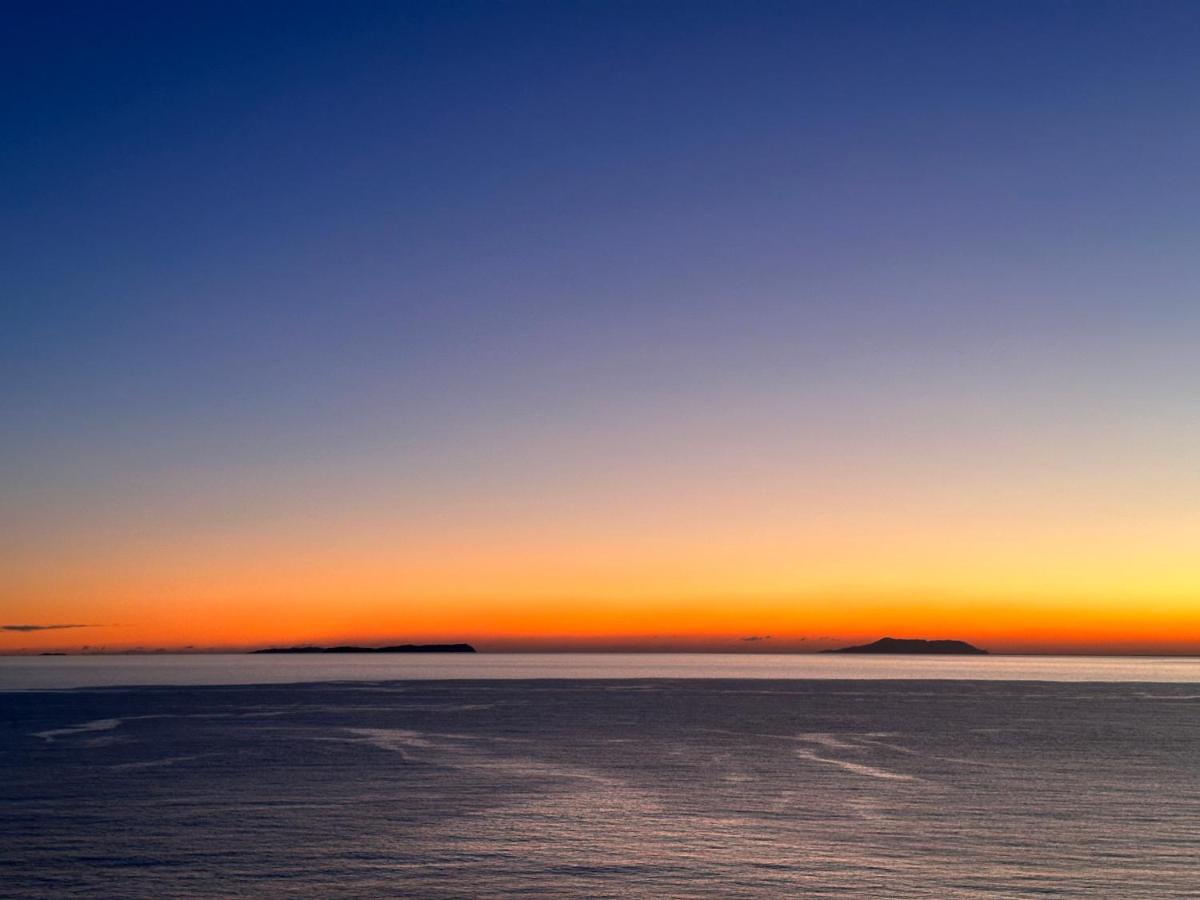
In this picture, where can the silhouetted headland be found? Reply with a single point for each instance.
(398, 648)
(910, 645)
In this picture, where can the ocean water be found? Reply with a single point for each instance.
(41, 672)
(604, 787)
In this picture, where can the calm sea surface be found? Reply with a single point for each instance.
(574, 776)
(34, 672)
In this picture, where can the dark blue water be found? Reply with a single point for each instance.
(603, 788)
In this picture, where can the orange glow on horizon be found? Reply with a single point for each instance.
(721, 623)
(622, 577)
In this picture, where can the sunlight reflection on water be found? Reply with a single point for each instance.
(24, 672)
(680, 788)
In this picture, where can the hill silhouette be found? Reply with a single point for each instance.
(912, 645)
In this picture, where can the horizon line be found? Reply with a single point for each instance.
(631, 651)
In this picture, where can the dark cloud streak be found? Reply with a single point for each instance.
(26, 628)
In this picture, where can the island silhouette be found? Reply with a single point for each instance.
(910, 645)
(397, 648)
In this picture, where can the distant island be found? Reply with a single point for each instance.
(911, 645)
(398, 648)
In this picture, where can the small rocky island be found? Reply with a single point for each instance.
(911, 645)
(398, 648)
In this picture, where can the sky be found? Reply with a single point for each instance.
(600, 325)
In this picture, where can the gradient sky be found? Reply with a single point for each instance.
(600, 324)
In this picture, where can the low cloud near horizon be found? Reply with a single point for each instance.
(41, 627)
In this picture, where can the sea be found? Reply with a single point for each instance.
(574, 775)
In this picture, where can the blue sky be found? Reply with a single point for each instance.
(453, 248)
